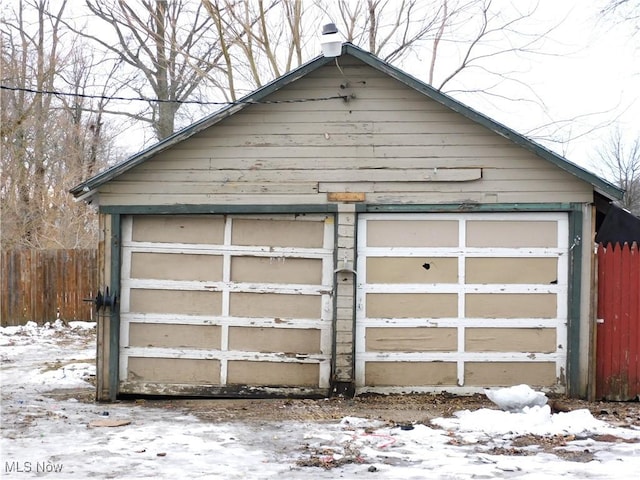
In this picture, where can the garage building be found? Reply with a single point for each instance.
(345, 229)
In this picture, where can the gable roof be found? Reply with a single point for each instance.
(603, 187)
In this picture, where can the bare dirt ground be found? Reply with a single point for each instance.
(394, 409)
(391, 409)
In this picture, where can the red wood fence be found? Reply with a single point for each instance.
(43, 285)
(618, 331)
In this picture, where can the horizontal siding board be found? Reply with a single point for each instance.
(322, 138)
(381, 100)
(341, 116)
(374, 107)
(474, 197)
(234, 127)
(208, 187)
(530, 173)
(258, 176)
(204, 149)
(511, 165)
(495, 186)
(160, 198)
(384, 126)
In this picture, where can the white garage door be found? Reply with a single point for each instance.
(457, 302)
(224, 304)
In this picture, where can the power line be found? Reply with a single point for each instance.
(157, 100)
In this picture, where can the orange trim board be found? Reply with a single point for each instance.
(346, 196)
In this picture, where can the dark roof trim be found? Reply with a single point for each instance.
(602, 186)
(196, 209)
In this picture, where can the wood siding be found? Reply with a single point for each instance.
(388, 141)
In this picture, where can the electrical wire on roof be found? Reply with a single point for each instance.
(157, 100)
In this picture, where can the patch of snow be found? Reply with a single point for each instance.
(357, 422)
(516, 398)
(82, 325)
(535, 421)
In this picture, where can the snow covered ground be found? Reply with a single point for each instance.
(44, 436)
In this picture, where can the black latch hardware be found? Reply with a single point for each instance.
(103, 300)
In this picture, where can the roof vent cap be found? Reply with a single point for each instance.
(330, 41)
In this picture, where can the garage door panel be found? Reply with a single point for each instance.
(176, 266)
(186, 302)
(287, 340)
(164, 335)
(272, 373)
(512, 270)
(404, 374)
(178, 229)
(510, 340)
(511, 305)
(278, 233)
(511, 233)
(276, 270)
(411, 305)
(412, 270)
(278, 305)
(481, 295)
(201, 294)
(412, 233)
(419, 339)
(173, 370)
(502, 374)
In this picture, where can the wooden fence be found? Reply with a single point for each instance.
(44, 285)
(618, 332)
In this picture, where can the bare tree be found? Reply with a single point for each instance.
(623, 11)
(46, 142)
(458, 36)
(166, 43)
(261, 40)
(33, 65)
(391, 29)
(619, 160)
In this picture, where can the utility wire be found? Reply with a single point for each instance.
(157, 100)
